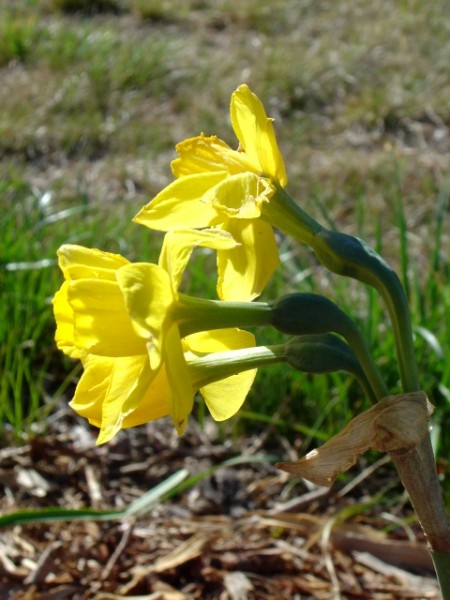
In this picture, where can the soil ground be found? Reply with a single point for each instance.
(241, 532)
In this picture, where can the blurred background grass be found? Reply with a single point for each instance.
(95, 94)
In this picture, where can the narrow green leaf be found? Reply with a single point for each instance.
(143, 504)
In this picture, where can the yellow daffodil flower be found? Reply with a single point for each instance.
(121, 320)
(119, 392)
(217, 186)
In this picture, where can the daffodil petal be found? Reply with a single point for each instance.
(105, 379)
(101, 323)
(179, 380)
(117, 408)
(115, 393)
(218, 340)
(179, 245)
(245, 270)
(78, 262)
(206, 154)
(148, 295)
(256, 134)
(155, 403)
(179, 205)
(240, 196)
(64, 335)
(225, 397)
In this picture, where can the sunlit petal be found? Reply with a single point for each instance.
(256, 134)
(178, 246)
(78, 262)
(219, 340)
(101, 323)
(203, 154)
(155, 403)
(64, 335)
(179, 206)
(114, 393)
(225, 397)
(148, 296)
(126, 390)
(245, 270)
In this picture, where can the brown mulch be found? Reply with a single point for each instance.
(244, 532)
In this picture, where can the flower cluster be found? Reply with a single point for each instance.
(147, 348)
(136, 335)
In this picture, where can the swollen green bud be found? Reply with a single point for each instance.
(300, 314)
(350, 256)
(321, 353)
(325, 353)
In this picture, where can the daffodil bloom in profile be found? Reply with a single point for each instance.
(123, 321)
(226, 188)
(120, 392)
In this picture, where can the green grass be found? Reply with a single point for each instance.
(32, 371)
(94, 97)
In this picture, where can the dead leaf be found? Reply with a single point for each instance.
(397, 423)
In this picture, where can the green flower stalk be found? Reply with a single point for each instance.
(326, 353)
(351, 257)
(316, 353)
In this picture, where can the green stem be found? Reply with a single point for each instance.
(284, 214)
(358, 343)
(441, 561)
(199, 314)
(218, 365)
(346, 255)
(417, 471)
(351, 257)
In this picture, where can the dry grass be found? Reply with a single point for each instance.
(360, 93)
